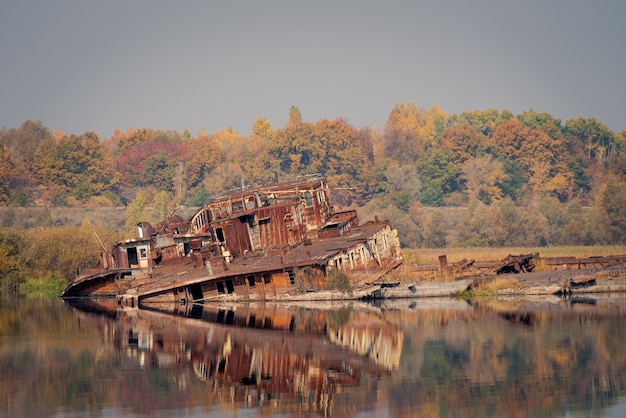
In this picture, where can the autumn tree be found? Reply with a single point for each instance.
(404, 139)
(295, 117)
(474, 226)
(6, 175)
(402, 185)
(80, 164)
(342, 159)
(12, 265)
(611, 201)
(204, 156)
(134, 147)
(436, 230)
(464, 142)
(541, 158)
(24, 140)
(482, 177)
(294, 151)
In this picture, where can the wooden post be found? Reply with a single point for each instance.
(443, 266)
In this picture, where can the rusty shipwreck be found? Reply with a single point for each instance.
(279, 242)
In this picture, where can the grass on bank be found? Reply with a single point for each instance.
(489, 286)
(40, 287)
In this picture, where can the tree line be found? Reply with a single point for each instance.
(525, 179)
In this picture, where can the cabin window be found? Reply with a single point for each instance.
(267, 279)
(229, 286)
(237, 206)
(143, 253)
(308, 199)
(292, 276)
(132, 256)
(251, 280)
(219, 234)
(220, 287)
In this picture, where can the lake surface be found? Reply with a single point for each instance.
(406, 358)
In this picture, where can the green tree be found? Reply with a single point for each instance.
(162, 207)
(136, 212)
(483, 121)
(514, 178)
(599, 141)
(200, 198)
(439, 176)
(160, 171)
(542, 121)
(582, 183)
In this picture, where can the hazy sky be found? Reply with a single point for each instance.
(88, 65)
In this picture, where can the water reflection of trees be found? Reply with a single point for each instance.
(516, 359)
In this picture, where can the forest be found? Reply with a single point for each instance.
(476, 178)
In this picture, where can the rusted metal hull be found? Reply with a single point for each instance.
(272, 276)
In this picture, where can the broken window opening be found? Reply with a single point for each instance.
(219, 234)
(308, 199)
(132, 256)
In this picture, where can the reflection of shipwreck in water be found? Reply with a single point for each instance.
(255, 353)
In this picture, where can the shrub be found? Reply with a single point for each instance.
(339, 281)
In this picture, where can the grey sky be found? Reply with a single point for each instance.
(100, 65)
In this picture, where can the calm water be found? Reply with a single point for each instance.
(420, 358)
